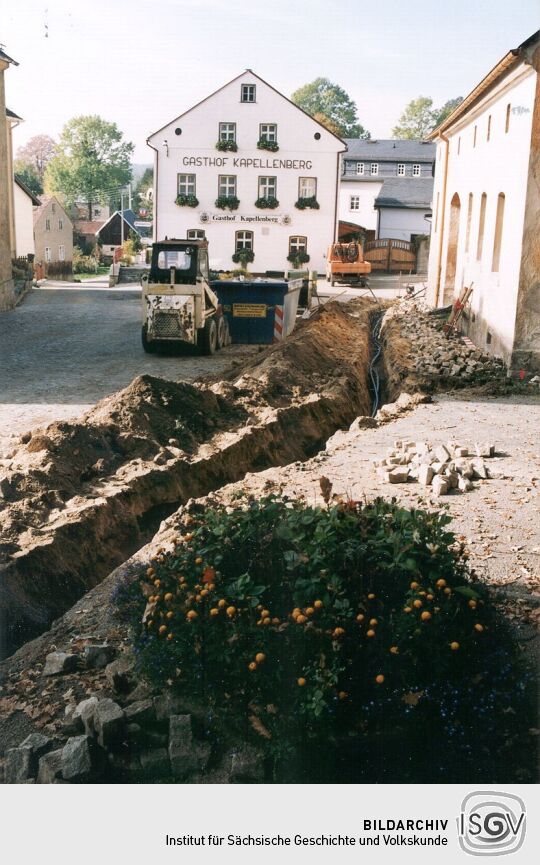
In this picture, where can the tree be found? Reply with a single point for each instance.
(447, 109)
(331, 125)
(91, 160)
(29, 176)
(417, 120)
(322, 97)
(37, 152)
(140, 198)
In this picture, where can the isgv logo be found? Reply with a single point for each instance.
(491, 824)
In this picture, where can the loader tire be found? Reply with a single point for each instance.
(209, 336)
(149, 346)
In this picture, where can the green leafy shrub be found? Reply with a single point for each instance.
(307, 203)
(269, 202)
(187, 200)
(227, 145)
(243, 256)
(227, 202)
(263, 144)
(83, 263)
(330, 625)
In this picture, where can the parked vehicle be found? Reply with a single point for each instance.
(178, 304)
(346, 265)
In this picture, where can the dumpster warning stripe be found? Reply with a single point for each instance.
(278, 323)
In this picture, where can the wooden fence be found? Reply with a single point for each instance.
(390, 255)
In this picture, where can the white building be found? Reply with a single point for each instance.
(24, 203)
(250, 171)
(386, 186)
(486, 218)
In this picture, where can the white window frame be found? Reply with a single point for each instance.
(248, 93)
(227, 131)
(354, 202)
(401, 169)
(61, 252)
(374, 169)
(243, 240)
(297, 243)
(186, 184)
(268, 132)
(48, 253)
(267, 187)
(360, 168)
(307, 187)
(227, 185)
(47, 225)
(416, 169)
(196, 234)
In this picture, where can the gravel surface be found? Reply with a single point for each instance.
(64, 348)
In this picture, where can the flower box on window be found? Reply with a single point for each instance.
(263, 144)
(304, 203)
(227, 145)
(243, 256)
(187, 200)
(227, 202)
(297, 258)
(269, 203)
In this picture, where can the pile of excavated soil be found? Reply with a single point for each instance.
(78, 497)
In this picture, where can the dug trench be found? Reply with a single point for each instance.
(78, 498)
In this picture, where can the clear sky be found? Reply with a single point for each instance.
(143, 63)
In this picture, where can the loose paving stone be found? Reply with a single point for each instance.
(59, 663)
(109, 723)
(82, 759)
(97, 657)
(50, 767)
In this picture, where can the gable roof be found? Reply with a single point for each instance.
(86, 226)
(10, 113)
(26, 190)
(6, 58)
(43, 204)
(129, 219)
(389, 149)
(258, 77)
(512, 58)
(405, 192)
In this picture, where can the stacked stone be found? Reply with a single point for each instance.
(137, 737)
(444, 468)
(434, 356)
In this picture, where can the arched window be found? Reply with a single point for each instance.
(481, 224)
(498, 232)
(469, 219)
(297, 244)
(195, 234)
(243, 240)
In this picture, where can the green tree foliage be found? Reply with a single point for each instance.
(323, 99)
(447, 109)
(29, 176)
(420, 117)
(140, 198)
(37, 153)
(91, 159)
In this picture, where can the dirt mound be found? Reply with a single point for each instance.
(79, 497)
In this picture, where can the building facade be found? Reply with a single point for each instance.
(53, 232)
(7, 288)
(252, 173)
(486, 218)
(24, 203)
(380, 178)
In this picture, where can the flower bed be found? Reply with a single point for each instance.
(341, 628)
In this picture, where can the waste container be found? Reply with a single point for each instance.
(259, 310)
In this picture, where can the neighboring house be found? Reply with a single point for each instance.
(24, 203)
(378, 171)
(120, 226)
(7, 289)
(404, 207)
(486, 218)
(79, 212)
(53, 232)
(85, 234)
(251, 172)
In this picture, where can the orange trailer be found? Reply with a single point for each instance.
(345, 264)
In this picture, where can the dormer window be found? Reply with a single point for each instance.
(359, 167)
(416, 171)
(374, 168)
(247, 93)
(401, 169)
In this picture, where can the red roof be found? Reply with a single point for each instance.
(84, 226)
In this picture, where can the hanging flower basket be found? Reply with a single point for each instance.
(269, 203)
(304, 203)
(227, 202)
(263, 144)
(187, 200)
(227, 145)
